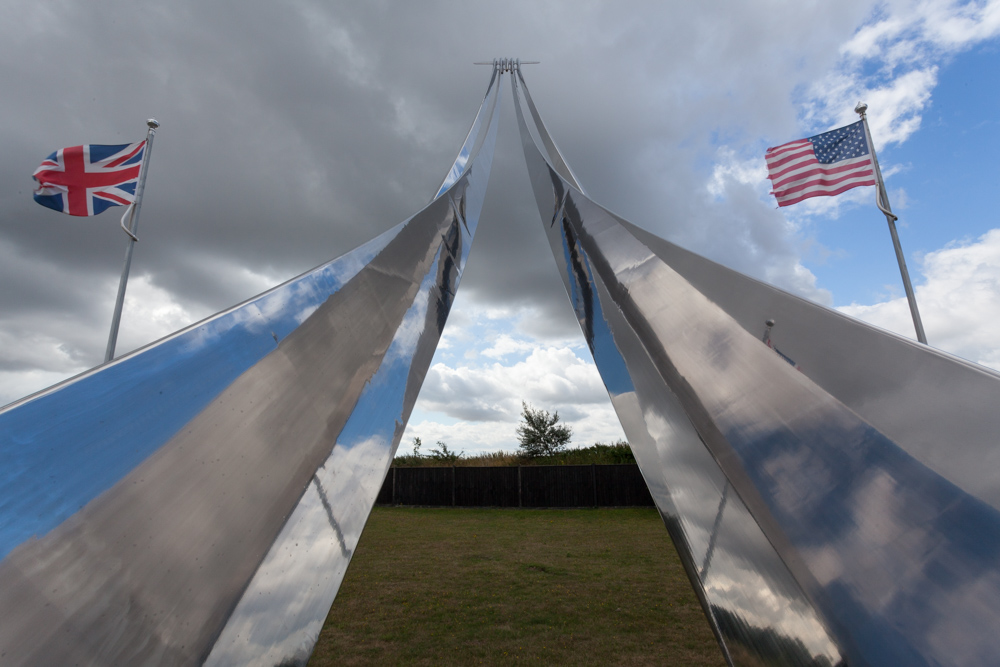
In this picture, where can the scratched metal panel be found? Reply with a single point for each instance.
(201, 498)
(810, 536)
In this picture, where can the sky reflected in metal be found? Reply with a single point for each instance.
(810, 536)
(201, 497)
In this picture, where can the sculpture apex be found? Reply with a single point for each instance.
(509, 64)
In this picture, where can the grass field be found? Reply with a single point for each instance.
(488, 586)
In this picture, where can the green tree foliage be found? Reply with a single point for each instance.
(442, 453)
(599, 454)
(414, 460)
(539, 434)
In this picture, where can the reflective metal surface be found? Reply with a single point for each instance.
(941, 409)
(200, 499)
(817, 523)
(832, 488)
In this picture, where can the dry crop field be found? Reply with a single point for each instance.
(489, 586)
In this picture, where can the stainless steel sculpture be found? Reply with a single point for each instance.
(200, 499)
(841, 508)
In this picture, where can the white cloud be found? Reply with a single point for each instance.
(16, 384)
(37, 352)
(959, 301)
(749, 233)
(894, 105)
(909, 29)
(892, 64)
(150, 313)
(731, 169)
(549, 376)
(506, 345)
(471, 398)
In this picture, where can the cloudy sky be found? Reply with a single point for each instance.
(293, 132)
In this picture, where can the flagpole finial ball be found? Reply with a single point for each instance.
(153, 123)
(861, 108)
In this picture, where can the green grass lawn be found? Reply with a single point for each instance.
(491, 586)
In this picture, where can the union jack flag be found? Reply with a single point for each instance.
(86, 180)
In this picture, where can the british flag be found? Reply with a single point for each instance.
(85, 180)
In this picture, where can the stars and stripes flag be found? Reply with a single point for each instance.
(85, 180)
(824, 165)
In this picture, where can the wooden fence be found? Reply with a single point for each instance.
(522, 486)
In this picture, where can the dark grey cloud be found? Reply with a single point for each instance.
(293, 132)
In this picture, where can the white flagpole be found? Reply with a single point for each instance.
(881, 197)
(133, 214)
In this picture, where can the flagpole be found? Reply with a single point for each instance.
(133, 214)
(882, 197)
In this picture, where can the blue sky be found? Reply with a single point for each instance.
(942, 184)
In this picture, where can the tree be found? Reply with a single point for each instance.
(442, 453)
(538, 433)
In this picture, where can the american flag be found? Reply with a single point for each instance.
(85, 180)
(824, 165)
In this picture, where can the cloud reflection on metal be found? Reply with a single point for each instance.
(200, 499)
(839, 510)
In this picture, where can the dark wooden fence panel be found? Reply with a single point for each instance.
(486, 487)
(385, 493)
(424, 486)
(526, 486)
(557, 486)
(621, 486)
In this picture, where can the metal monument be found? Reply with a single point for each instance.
(832, 488)
(198, 500)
